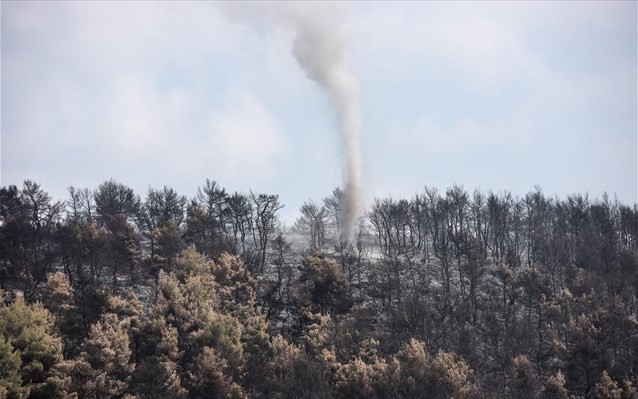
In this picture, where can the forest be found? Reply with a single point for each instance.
(448, 294)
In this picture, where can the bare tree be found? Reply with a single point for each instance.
(265, 222)
(313, 221)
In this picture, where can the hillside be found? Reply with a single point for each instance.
(443, 295)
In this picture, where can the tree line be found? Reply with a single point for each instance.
(446, 294)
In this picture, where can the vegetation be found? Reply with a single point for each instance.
(444, 295)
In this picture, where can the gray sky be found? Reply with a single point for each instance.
(501, 96)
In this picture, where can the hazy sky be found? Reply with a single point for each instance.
(501, 96)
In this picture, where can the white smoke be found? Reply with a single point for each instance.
(320, 43)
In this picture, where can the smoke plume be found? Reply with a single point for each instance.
(320, 43)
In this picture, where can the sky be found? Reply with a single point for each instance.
(497, 96)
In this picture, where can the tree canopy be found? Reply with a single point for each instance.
(443, 295)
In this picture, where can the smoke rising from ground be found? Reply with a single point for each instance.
(320, 43)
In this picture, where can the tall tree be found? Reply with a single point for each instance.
(116, 209)
(313, 222)
(266, 223)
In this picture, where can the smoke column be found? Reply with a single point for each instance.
(321, 37)
(319, 48)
